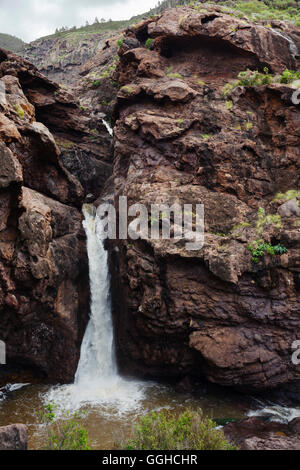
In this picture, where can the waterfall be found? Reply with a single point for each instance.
(97, 382)
(97, 362)
(108, 127)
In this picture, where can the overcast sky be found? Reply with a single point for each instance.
(32, 19)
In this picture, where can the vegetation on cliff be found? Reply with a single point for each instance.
(260, 10)
(249, 78)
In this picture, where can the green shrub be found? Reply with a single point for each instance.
(240, 226)
(259, 248)
(286, 10)
(96, 83)
(248, 126)
(206, 136)
(20, 111)
(127, 89)
(229, 105)
(263, 220)
(251, 78)
(188, 431)
(65, 144)
(289, 76)
(229, 87)
(120, 42)
(199, 82)
(254, 78)
(174, 75)
(66, 433)
(149, 43)
(291, 194)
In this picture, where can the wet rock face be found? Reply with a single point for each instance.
(215, 312)
(44, 284)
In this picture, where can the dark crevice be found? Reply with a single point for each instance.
(208, 19)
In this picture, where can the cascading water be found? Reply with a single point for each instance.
(108, 127)
(276, 413)
(97, 381)
(97, 361)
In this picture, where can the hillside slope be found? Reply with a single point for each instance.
(11, 43)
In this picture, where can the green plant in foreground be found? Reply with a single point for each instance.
(259, 248)
(65, 433)
(166, 431)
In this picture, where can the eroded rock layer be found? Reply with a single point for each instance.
(216, 312)
(44, 286)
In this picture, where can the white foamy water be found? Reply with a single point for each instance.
(4, 391)
(108, 127)
(276, 413)
(97, 382)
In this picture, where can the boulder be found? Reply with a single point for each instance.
(13, 437)
(254, 434)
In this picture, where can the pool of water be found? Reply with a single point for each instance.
(109, 421)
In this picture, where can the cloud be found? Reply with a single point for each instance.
(31, 19)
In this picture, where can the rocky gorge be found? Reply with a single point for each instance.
(187, 130)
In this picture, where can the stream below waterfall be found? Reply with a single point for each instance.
(113, 403)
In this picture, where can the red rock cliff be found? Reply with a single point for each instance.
(44, 285)
(213, 313)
